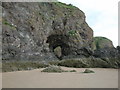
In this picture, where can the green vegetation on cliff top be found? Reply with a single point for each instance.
(101, 42)
(64, 5)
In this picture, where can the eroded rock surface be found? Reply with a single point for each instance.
(50, 31)
(31, 31)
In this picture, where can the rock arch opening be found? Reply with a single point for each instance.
(58, 45)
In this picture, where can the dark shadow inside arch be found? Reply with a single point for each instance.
(59, 41)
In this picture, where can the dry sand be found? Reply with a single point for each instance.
(102, 78)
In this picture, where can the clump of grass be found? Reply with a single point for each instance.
(55, 69)
(8, 24)
(72, 32)
(88, 71)
(65, 5)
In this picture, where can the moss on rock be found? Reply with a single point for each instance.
(51, 69)
(101, 42)
(88, 71)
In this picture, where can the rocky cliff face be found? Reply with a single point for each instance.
(53, 31)
(44, 31)
(103, 48)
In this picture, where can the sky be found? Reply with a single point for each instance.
(101, 16)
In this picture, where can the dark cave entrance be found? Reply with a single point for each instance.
(58, 45)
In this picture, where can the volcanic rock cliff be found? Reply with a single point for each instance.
(49, 31)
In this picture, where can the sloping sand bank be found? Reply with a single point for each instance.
(102, 78)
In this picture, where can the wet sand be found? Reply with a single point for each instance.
(102, 78)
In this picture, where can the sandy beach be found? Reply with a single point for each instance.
(102, 78)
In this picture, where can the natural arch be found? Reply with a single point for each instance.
(58, 45)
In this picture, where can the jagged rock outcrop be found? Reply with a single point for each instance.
(103, 48)
(31, 31)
